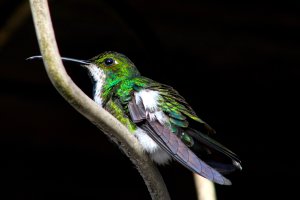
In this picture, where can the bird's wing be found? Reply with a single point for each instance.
(178, 111)
(176, 107)
(163, 135)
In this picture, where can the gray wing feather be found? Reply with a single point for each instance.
(167, 140)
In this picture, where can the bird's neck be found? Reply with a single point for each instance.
(99, 78)
(104, 87)
(105, 84)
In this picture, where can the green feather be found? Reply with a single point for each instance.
(177, 115)
(180, 123)
(115, 108)
(188, 140)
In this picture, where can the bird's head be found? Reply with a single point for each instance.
(114, 65)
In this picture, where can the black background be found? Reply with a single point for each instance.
(236, 64)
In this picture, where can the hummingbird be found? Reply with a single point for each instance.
(158, 116)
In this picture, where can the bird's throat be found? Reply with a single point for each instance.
(99, 78)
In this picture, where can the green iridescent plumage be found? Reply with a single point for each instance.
(115, 108)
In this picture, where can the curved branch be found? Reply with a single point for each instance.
(88, 108)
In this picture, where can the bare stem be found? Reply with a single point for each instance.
(88, 108)
(205, 188)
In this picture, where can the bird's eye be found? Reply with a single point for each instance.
(109, 61)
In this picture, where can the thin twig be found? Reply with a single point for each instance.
(83, 104)
(205, 188)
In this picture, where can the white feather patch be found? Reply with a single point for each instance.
(147, 143)
(161, 117)
(149, 98)
(156, 153)
(161, 157)
(99, 77)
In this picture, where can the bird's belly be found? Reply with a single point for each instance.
(157, 154)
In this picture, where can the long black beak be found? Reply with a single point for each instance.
(86, 62)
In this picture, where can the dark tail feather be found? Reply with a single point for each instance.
(213, 146)
(221, 167)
